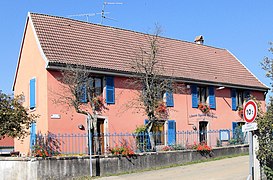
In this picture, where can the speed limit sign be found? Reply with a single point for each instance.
(250, 111)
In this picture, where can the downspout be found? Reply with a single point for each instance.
(187, 105)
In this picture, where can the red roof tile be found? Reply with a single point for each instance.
(7, 142)
(70, 41)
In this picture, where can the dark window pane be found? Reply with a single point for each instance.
(98, 86)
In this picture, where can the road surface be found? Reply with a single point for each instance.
(225, 169)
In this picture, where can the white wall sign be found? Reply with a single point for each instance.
(224, 135)
(55, 116)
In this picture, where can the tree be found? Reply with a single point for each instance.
(15, 120)
(79, 92)
(265, 126)
(151, 81)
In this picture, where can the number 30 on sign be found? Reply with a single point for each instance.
(250, 111)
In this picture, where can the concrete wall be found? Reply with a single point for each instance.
(68, 167)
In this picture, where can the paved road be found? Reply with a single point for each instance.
(225, 169)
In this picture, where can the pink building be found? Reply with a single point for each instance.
(211, 75)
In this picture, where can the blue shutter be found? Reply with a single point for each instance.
(110, 90)
(194, 96)
(233, 100)
(169, 99)
(171, 132)
(212, 101)
(234, 125)
(32, 93)
(32, 135)
(83, 95)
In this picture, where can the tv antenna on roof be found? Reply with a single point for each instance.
(87, 15)
(103, 8)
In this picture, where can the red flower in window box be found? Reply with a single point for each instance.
(204, 108)
(204, 149)
(161, 110)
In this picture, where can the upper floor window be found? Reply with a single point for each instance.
(238, 96)
(203, 94)
(95, 87)
(161, 94)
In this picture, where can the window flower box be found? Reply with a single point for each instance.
(204, 108)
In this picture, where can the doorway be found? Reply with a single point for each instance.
(100, 136)
(203, 131)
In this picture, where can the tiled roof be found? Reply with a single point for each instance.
(70, 41)
(7, 142)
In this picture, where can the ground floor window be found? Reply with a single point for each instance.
(164, 132)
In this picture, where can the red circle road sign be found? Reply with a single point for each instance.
(250, 111)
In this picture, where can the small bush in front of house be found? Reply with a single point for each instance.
(192, 146)
(204, 149)
(167, 148)
(218, 143)
(142, 138)
(46, 146)
(40, 151)
(124, 149)
(178, 147)
(173, 147)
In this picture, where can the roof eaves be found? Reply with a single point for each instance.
(112, 72)
(37, 40)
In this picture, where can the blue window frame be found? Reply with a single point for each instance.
(32, 93)
(110, 90)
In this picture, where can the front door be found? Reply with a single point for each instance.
(100, 136)
(203, 131)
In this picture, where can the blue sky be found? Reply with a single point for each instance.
(243, 27)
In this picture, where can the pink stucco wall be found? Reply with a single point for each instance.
(121, 118)
(31, 64)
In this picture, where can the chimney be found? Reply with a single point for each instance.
(199, 39)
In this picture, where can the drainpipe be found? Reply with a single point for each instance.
(187, 106)
(89, 143)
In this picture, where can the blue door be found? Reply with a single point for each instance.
(32, 135)
(171, 132)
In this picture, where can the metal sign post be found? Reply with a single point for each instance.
(251, 168)
(250, 113)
